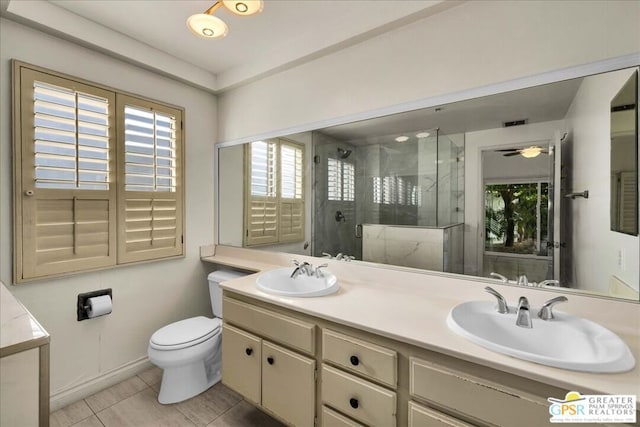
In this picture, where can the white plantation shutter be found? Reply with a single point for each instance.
(334, 179)
(275, 192)
(291, 214)
(340, 180)
(150, 201)
(628, 202)
(262, 201)
(65, 205)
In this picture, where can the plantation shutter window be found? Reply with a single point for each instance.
(291, 215)
(98, 176)
(65, 217)
(340, 180)
(150, 202)
(274, 196)
(262, 200)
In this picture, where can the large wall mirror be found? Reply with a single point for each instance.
(515, 186)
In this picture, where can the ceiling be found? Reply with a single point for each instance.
(536, 104)
(153, 33)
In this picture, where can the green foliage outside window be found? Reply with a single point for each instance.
(511, 218)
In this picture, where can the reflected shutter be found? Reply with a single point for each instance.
(291, 215)
(261, 221)
(150, 201)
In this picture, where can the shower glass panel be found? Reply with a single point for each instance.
(360, 184)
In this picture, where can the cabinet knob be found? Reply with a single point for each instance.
(249, 351)
(354, 403)
(354, 360)
(270, 360)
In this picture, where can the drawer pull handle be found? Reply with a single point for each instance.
(248, 350)
(270, 360)
(354, 403)
(354, 360)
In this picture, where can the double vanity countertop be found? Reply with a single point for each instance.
(412, 307)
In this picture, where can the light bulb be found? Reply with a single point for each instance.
(243, 7)
(531, 152)
(402, 138)
(207, 26)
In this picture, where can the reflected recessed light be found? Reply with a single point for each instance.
(402, 138)
(422, 134)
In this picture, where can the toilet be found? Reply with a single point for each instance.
(189, 351)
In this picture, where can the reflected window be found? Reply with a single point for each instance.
(341, 182)
(516, 218)
(275, 199)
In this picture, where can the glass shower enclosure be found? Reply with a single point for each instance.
(394, 201)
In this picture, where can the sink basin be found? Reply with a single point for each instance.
(566, 342)
(279, 282)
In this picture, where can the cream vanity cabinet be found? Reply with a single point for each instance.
(270, 355)
(257, 364)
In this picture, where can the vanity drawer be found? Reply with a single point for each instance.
(286, 330)
(360, 356)
(474, 396)
(331, 418)
(359, 399)
(421, 416)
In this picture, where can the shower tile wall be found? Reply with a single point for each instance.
(331, 236)
(436, 249)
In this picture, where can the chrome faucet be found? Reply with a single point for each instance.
(550, 282)
(523, 318)
(502, 306)
(499, 276)
(523, 281)
(302, 268)
(546, 312)
(318, 273)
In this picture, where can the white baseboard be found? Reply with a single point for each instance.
(64, 397)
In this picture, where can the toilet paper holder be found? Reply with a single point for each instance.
(83, 302)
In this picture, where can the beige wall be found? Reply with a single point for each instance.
(598, 251)
(476, 44)
(147, 296)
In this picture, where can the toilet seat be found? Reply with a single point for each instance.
(185, 333)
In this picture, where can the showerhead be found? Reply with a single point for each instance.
(343, 153)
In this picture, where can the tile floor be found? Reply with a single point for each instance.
(134, 402)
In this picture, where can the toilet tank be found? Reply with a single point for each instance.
(215, 292)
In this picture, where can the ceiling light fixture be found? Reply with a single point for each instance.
(208, 26)
(402, 138)
(422, 134)
(531, 152)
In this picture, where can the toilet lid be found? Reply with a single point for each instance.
(185, 333)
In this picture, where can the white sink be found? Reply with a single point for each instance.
(566, 342)
(279, 282)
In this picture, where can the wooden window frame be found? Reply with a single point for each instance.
(23, 145)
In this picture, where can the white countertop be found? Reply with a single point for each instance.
(412, 307)
(19, 330)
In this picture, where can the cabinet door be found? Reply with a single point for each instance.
(421, 416)
(241, 362)
(288, 385)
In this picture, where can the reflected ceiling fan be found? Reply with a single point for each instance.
(528, 152)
